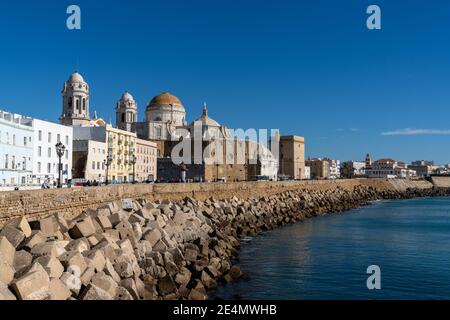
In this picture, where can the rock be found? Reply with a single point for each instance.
(34, 285)
(105, 283)
(127, 204)
(22, 259)
(5, 293)
(6, 271)
(7, 251)
(97, 258)
(235, 272)
(123, 294)
(72, 282)
(92, 292)
(48, 226)
(109, 270)
(130, 285)
(87, 276)
(21, 224)
(166, 286)
(82, 228)
(152, 236)
(49, 248)
(104, 222)
(191, 255)
(52, 265)
(197, 295)
(36, 238)
(58, 290)
(208, 281)
(73, 261)
(81, 245)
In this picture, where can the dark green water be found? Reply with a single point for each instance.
(327, 257)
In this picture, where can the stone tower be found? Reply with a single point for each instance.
(75, 95)
(126, 112)
(368, 161)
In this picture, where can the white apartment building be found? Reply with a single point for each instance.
(45, 158)
(335, 168)
(389, 168)
(16, 151)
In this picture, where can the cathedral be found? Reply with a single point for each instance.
(165, 124)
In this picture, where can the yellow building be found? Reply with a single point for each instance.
(121, 150)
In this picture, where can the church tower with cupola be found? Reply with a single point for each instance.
(126, 112)
(75, 96)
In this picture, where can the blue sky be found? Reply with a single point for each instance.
(310, 68)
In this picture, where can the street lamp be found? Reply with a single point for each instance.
(107, 163)
(60, 150)
(133, 162)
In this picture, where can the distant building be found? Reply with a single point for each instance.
(45, 159)
(389, 168)
(307, 173)
(320, 168)
(146, 160)
(120, 147)
(89, 158)
(353, 169)
(16, 150)
(292, 157)
(335, 168)
(422, 163)
(422, 170)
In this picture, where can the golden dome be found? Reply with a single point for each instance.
(165, 99)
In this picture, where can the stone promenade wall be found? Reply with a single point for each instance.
(35, 204)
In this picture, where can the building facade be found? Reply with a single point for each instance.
(320, 168)
(16, 150)
(292, 157)
(353, 169)
(89, 161)
(146, 160)
(120, 148)
(45, 157)
(389, 168)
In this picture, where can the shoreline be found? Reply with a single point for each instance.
(164, 249)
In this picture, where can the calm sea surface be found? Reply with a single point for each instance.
(327, 257)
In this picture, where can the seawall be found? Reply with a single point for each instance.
(35, 204)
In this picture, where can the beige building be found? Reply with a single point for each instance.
(320, 168)
(121, 148)
(89, 158)
(292, 157)
(146, 160)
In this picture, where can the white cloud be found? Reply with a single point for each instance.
(416, 132)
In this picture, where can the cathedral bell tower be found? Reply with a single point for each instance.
(126, 112)
(75, 95)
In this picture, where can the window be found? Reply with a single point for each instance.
(49, 167)
(49, 137)
(14, 139)
(67, 140)
(67, 154)
(25, 141)
(93, 165)
(39, 167)
(58, 138)
(40, 135)
(39, 151)
(6, 161)
(49, 152)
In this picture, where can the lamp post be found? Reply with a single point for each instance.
(107, 163)
(60, 149)
(133, 162)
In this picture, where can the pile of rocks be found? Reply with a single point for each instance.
(153, 250)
